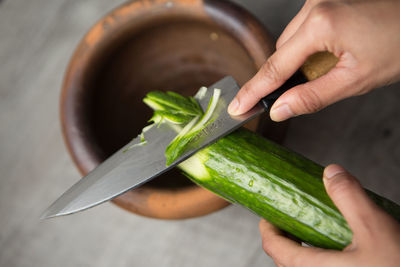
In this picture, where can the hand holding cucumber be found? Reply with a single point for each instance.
(376, 235)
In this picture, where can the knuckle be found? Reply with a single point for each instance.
(323, 17)
(309, 101)
(270, 72)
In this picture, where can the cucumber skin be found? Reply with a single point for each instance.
(277, 184)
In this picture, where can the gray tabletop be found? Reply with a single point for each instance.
(36, 40)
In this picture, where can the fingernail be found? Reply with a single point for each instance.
(281, 113)
(333, 170)
(233, 106)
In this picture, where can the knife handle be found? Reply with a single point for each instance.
(315, 66)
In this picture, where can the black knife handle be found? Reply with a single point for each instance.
(296, 79)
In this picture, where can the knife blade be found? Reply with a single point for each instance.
(135, 164)
(129, 168)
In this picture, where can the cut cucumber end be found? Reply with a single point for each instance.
(194, 166)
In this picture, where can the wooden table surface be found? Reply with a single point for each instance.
(37, 39)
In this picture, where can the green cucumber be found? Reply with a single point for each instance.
(277, 184)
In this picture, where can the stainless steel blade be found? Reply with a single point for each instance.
(223, 123)
(129, 168)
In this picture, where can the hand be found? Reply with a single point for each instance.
(364, 35)
(376, 235)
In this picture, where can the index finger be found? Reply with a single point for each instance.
(289, 253)
(276, 70)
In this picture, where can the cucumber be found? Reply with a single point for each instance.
(275, 183)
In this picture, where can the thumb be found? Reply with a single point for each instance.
(312, 96)
(350, 198)
(341, 82)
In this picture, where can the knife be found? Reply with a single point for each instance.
(135, 164)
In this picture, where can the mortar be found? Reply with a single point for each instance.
(141, 46)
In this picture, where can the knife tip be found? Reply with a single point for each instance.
(47, 214)
(52, 212)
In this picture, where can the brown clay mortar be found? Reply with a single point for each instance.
(142, 46)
